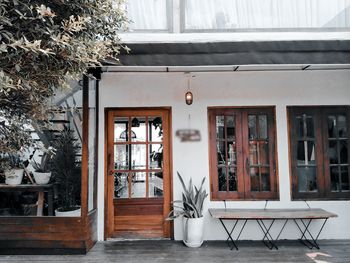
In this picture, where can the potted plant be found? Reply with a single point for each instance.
(13, 167)
(190, 208)
(67, 174)
(42, 173)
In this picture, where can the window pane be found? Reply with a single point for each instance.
(147, 14)
(121, 157)
(263, 153)
(220, 132)
(155, 184)
(252, 127)
(231, 153)
(138, 129)
(307, 179)
(345, 186)
(259, 14)
(305, 126)
(121, 129)
(221, 153)
(156, 156)
(231, 128)
(343, 152)
(232, 177)
(342, 126)
(121, 186)
(333, 152)
(262, 126)
(332, 124)
(222, 182)
(155, 129)
(265, 178)
(138, 185)
(335, 183)
(254, 179)
(138, 156)
(306, 153)
(253, 153)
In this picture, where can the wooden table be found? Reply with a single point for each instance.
(41, 189)
(301, 217)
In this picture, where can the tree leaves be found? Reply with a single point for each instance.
(43, 44)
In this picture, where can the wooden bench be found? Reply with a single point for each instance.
(302, 218)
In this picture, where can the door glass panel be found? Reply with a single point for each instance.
(335, 183)
(138, 129)
(222, 182)
(262, 126)
(155, 156)
(221, 153)
(155, 184)
(220, 127)
(155, 129)
(306, 153)
(121, 186)
(232, 177)
(252, 126)
(138, 156)
(121, 129)
(231, 129)
(332, 124)
(138, 185)
(307, 179)
(231, 153)
(121, 154)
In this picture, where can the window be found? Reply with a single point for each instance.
(149, 15)
(242, 153)
(319, 145)
(244, 15)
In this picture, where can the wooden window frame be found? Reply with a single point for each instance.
(242, 151)
(320, 114)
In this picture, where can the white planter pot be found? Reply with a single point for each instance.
(14, 177)
(193, 231)
(73, 213)
(42, 178)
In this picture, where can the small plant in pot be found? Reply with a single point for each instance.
(13, 167)
(67, 174)
(42, 171)
(191, 209)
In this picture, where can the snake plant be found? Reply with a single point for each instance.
(191, 205)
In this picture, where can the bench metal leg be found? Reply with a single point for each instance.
(229, 233)
(310, 243)
(267, 238)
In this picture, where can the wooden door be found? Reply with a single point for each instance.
(138, 173)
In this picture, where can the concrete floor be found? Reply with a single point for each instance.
(215, 251)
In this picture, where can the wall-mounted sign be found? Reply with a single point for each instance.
(188, 135)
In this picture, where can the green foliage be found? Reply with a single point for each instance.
(10, 161)
(66, 170)
(43, 44)
(191, 205)
(44, 165)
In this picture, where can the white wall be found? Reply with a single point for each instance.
(279, 88)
